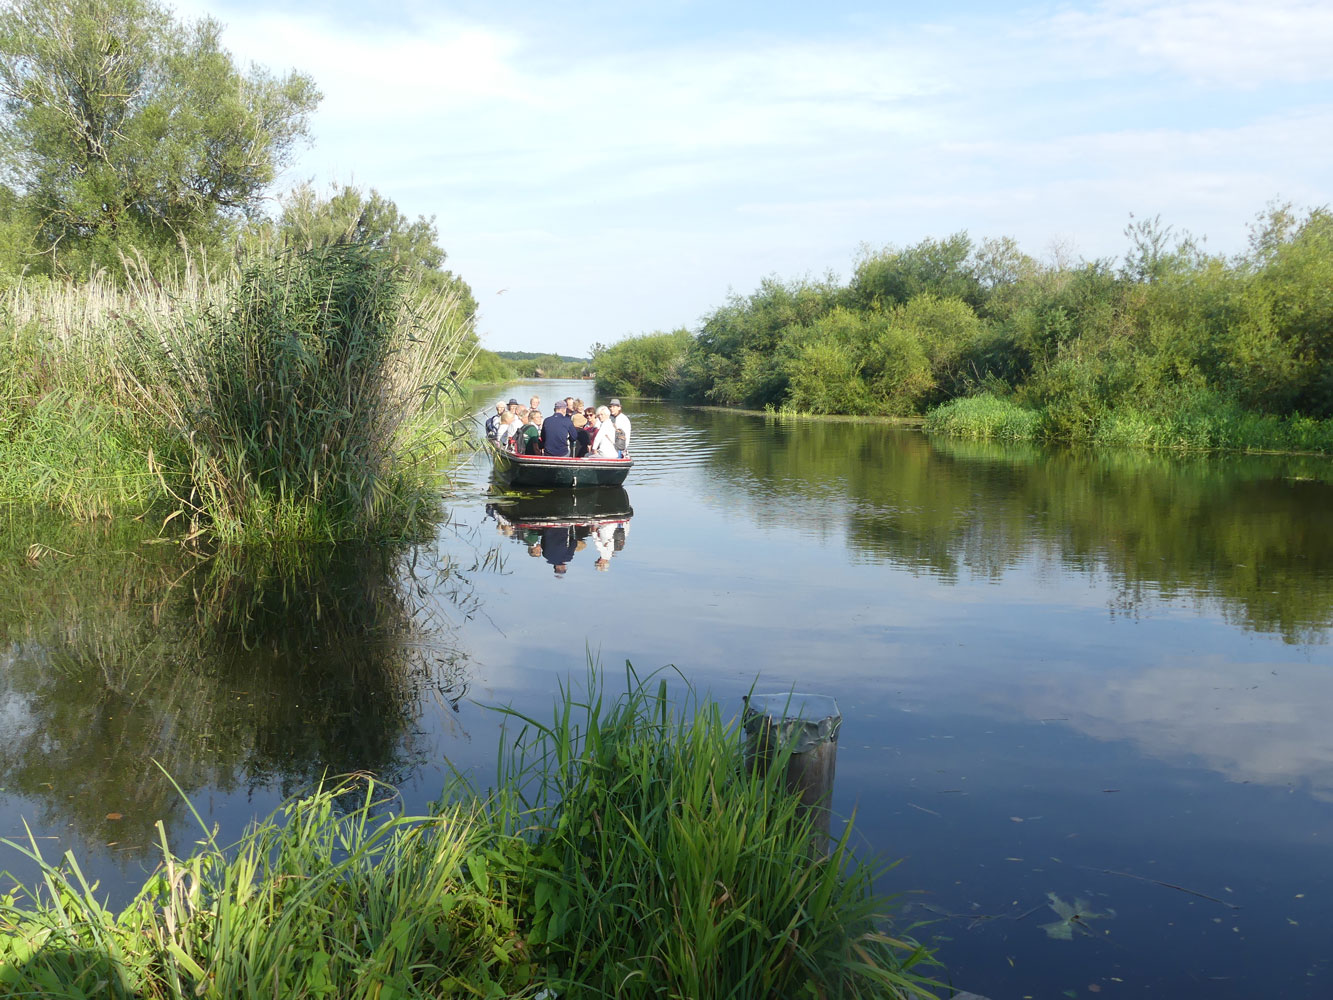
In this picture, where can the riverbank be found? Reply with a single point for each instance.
(303, 395)
(1170, 348)
(632, 813)
(1218, 427)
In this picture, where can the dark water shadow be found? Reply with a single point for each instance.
(125, 656)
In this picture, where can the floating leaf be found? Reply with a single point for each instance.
(1073, 916)
(114, 816)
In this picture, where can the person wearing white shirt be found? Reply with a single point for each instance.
(621, 423)
(509, 424)
(604, 441)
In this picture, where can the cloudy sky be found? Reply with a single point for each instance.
(601, 169)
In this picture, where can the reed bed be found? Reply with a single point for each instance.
(302, 395)
(666, 867)
(627, 851)
(983, 417)
(1199, 422)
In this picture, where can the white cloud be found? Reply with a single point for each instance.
(1236, 43)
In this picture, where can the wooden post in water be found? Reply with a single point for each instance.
(809, 724)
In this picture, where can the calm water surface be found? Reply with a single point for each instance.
(1067, 679)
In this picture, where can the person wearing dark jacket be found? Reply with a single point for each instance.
(559, 437)
(493, 421)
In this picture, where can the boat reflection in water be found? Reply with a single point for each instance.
(559, 524)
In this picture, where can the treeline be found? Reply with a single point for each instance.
(526, 364)
(1170, 346)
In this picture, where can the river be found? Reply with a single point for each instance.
(1071, 682)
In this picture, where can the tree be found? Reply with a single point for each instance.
(883, 278)
(121, 127)
(349, 215)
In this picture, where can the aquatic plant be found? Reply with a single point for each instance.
(304, 395)
(667, 867)
(984, 417)
(626, 851)
(307, 396)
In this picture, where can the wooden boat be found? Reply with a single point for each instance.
(549, 472)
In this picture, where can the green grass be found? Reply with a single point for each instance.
(1199, 422)
(984, 417)
(669, 868)
(627, 851)
(304, 396)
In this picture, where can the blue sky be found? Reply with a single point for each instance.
(600, 170)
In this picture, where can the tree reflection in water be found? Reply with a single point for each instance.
(1252, 533)
(230, 670)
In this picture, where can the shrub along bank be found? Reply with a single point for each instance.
(302, 395)
(628, 852)
(1170, 347)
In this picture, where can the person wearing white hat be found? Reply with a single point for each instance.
(620, 421)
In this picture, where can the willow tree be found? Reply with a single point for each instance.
(121, 127)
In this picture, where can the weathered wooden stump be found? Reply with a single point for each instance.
(808, 724)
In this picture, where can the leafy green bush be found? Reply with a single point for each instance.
(647, 365)
(984, 417)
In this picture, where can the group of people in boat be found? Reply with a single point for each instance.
(573, 430)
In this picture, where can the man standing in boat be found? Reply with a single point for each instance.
(558, 434)
(621, 423)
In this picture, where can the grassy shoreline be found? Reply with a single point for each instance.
(1208, 428)
(300, 395)
(1172, 347)
(631, 813)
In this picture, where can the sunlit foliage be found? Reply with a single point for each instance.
(1170, 347)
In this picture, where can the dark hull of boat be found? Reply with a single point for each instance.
(560, 507)
(543, 472)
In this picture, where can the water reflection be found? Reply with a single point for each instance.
(1253, 534)
(556, 525)
(230, 671)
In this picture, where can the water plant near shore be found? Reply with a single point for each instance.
(1202, 423)
(626, 851)
(303, 395)
(667, 867)
(307, 396)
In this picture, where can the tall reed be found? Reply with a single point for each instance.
(666, 867)
(627, 851)
(303, 395)
(71, 434)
